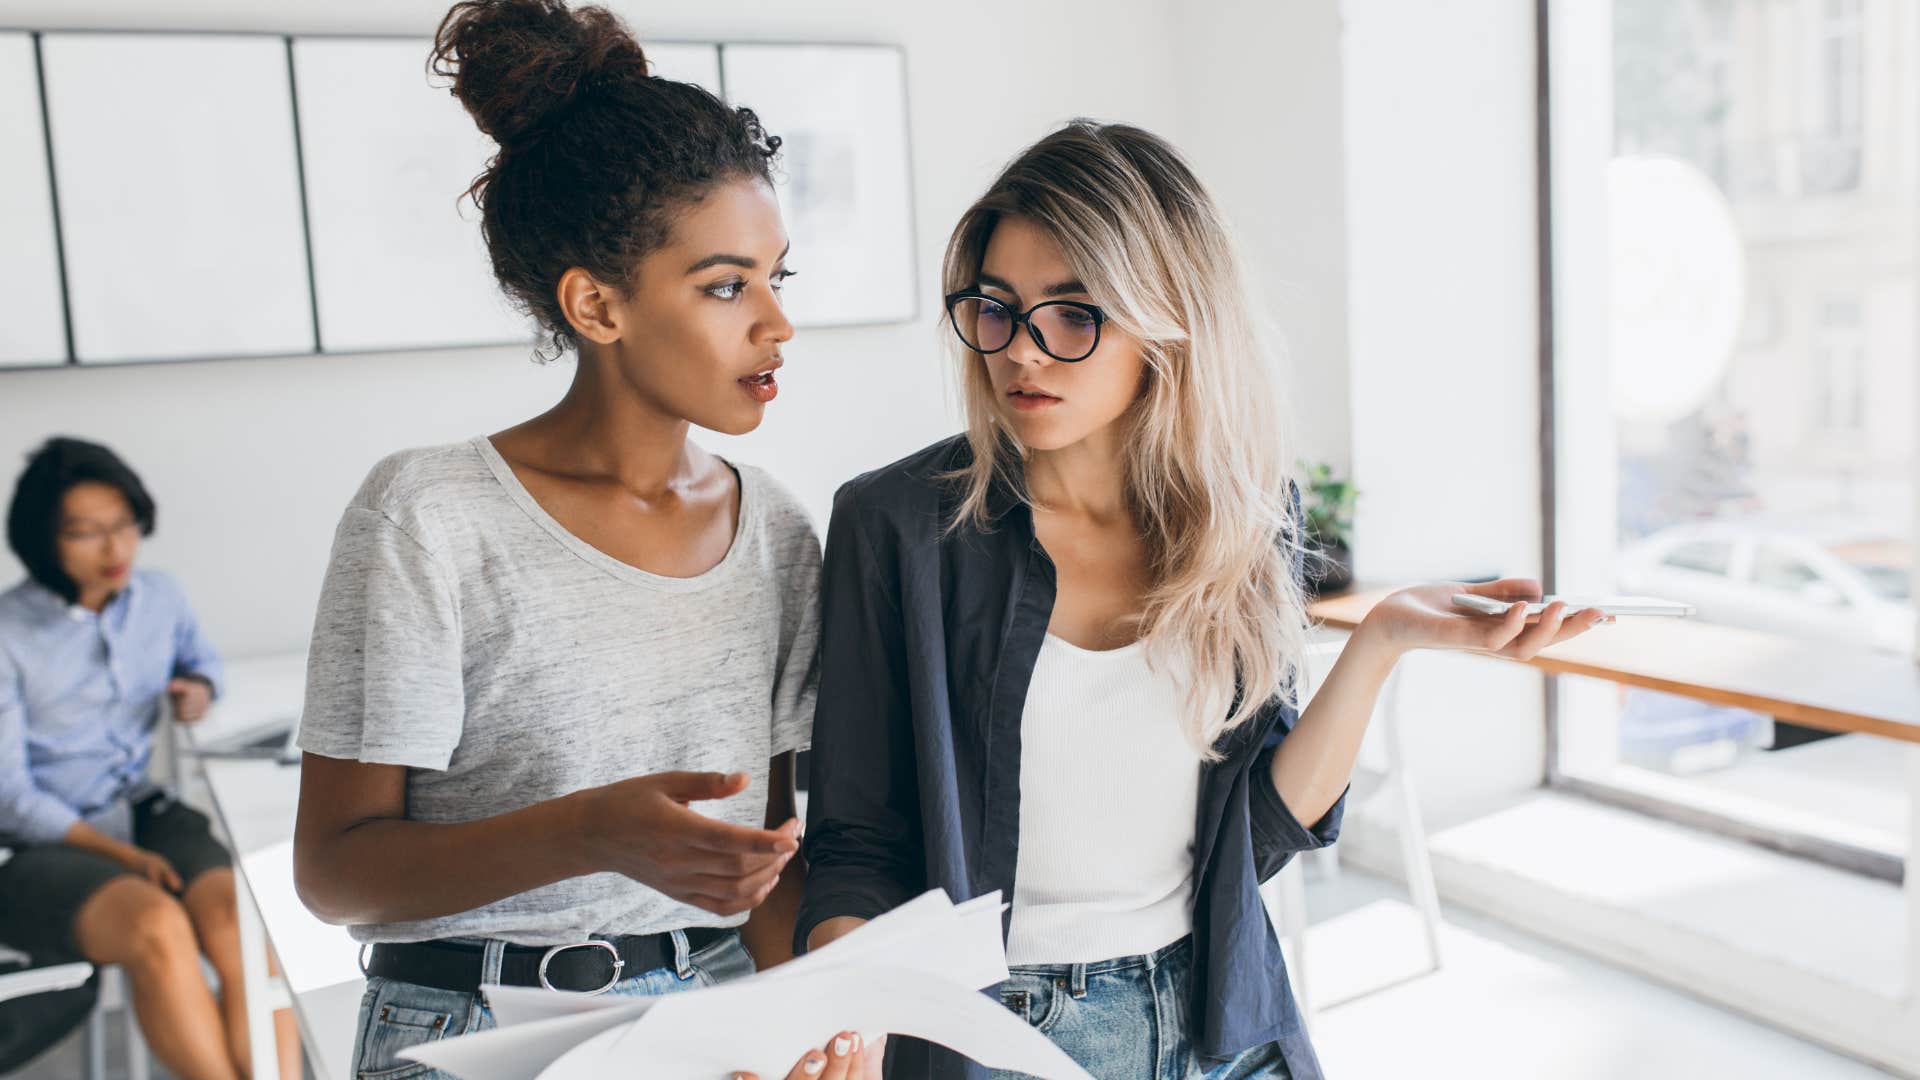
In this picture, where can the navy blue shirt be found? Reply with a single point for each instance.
(928, 643)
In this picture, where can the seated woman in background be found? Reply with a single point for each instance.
(105, 865)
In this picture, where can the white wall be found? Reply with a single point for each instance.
(251, 461)
(1375, 157)
(1438, 100)
(1261, 119)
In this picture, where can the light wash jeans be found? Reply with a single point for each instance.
(397, 1015)
(1126, 1019)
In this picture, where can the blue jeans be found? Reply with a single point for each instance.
(1126, 1019)
(397, 1015)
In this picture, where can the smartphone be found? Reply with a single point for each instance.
(1611, 605)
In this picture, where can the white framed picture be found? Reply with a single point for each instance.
(33, 331)
(398, 259)
(388, 152)
(207, 195)
(179, 194)
(845, 188)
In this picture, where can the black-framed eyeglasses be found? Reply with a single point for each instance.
(1066, 330)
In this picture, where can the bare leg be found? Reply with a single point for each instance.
(135, 924)
(212, 906)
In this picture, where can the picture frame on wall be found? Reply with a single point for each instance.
(33, 332)
(844, 174)
(177, 175)
(206, 195)
(398, 259)
(388, 155)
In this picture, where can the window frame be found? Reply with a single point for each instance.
(1661, 805)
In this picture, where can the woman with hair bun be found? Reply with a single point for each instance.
(508, 724)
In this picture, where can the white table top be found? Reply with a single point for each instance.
(261, 694)
(256, 801)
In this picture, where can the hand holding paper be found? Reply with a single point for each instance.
(916, 970)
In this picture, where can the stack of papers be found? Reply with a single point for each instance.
(917, 970)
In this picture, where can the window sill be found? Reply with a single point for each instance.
(1811, 949)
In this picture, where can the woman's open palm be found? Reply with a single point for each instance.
(1423, 617)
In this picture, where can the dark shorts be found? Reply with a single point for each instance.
(44, 886)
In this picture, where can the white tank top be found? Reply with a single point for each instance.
(1109, 788)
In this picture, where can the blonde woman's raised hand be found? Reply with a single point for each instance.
(1423, 617)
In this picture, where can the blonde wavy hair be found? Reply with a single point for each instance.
(1205, 471)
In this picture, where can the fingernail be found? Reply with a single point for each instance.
(856, 1042)
(841, 1045)
(814, 1064)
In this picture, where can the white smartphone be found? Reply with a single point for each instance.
(1611, 605)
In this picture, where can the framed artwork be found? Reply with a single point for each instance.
(33, 324)
(186, 196)
(388, 154)
(846, 188)
(398, 260)
(179, 194)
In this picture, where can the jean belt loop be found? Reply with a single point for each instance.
(1077, 981)
(490, 959)
(682, 955)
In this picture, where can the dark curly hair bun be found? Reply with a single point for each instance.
(596, 156)
(517, 65)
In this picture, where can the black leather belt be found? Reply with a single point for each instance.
(587, 967)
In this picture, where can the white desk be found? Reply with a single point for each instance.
(255, 802)
(260, 694)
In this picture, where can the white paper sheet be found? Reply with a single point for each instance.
(525, 1051)
(766, 1027)
(516, 1005)
(930, 933)
(914, 971)
(959, 942)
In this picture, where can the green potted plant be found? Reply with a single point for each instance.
(1328, 503)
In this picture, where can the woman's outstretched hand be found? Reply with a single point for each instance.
(1423, 617)
(1315, 760)
(846, 1057)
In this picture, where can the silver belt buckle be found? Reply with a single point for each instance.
(612, 954)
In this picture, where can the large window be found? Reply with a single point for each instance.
(1733, 192)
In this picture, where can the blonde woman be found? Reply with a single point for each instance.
(1058, 651)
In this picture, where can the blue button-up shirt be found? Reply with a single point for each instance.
(80, 694)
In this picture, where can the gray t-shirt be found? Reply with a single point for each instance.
(466, 634)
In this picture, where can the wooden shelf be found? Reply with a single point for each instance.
(1806, 682)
